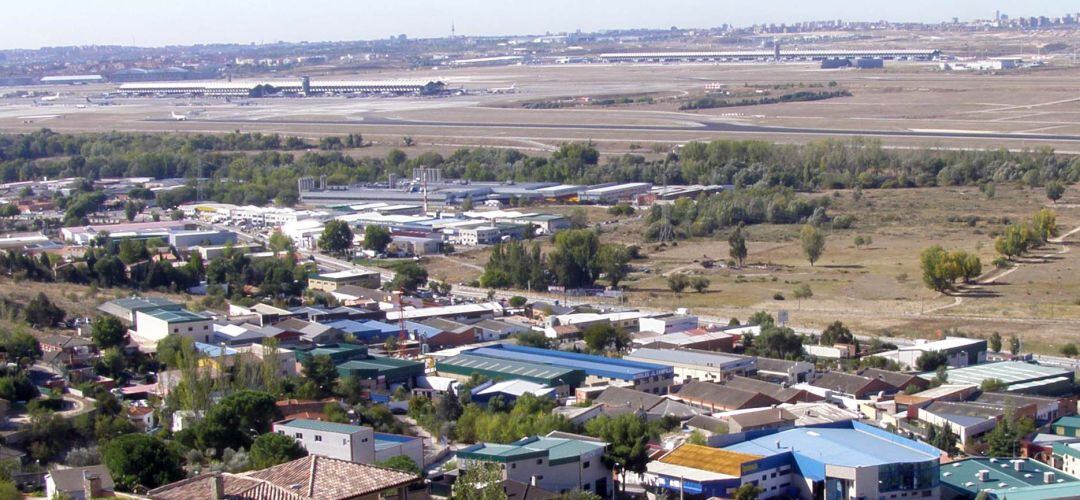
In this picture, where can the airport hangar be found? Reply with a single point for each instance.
(301, 86)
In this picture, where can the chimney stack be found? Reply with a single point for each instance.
(217, 487)
(91, 485)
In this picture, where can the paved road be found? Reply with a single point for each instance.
(719, 127)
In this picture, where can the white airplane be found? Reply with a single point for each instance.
(50, 98)
(512, 89)
(179, 118)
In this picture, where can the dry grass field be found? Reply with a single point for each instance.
(878, 288)
(904, 97)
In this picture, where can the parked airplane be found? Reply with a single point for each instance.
(50, 98)
(179, 118)
(512, 89)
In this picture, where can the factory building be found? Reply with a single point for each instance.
(646, 377)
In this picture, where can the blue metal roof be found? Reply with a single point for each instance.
(421, 331)
(213, 350)
(350, 326)
(382, 327)
(857, 445)
(599, 366)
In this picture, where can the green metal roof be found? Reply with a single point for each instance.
(177, 316)
(466, 364)
(1067, 422)
(319, 425)
(1004, 479)
(557, 450)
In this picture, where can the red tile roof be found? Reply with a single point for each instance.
(311, 477)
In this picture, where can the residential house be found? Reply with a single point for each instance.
(79, 483)
(313, 477)
(352, 443)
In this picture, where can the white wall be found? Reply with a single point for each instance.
(358, 447)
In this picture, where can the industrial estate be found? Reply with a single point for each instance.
(821, 260)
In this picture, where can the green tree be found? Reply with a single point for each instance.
(803, 291)
(700, 284)
(1014, 345)
(170, 347)
(859, 241)
(993, 385)
(813, 243)
(236, 420)
(761, 318)
(1044, 223)
(336, 238)
(408, 277)
(279, 242)
(778, 342)
(272, 449)
(605, 336)
(1054, 190)
(467, 204)
(931, 360)
(107, 331)
(376, 238)
(131, 209)
(613, 261)
(1003, 440)
(939, 271)
(401, 463)
(995, 342)
(141, 460)
(837, 333)
(41, 312)
(748, 491)
(678, 282)
(628, 437)
(481, 481)
(518, 301)
(533, 339)
(573, 260)
(321, 370)
(737, 246)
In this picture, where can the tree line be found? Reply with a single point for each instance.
(260, 169)
(578, 259)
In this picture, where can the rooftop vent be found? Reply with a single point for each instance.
(983, 475)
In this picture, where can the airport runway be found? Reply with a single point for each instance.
(701, 127)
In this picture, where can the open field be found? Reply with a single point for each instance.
(877, 289)
(905, 105)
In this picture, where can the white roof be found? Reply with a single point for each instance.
(516, 388)
(686, 473)
(346, 274)
(429, 312)
(941, 345)
(577, 318)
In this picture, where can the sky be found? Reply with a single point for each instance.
(33, 24)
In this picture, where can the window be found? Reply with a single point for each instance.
(344, 441)
(513, 466)
(299, 435)
(539, 461)
(364, 440)
(773, 474)
(318, 438)
(585, 464)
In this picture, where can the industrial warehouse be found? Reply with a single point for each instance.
(777, 54)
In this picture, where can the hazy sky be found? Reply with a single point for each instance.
(32, 24)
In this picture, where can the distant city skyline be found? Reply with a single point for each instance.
(156, 22)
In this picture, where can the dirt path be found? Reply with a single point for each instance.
(993, 275)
